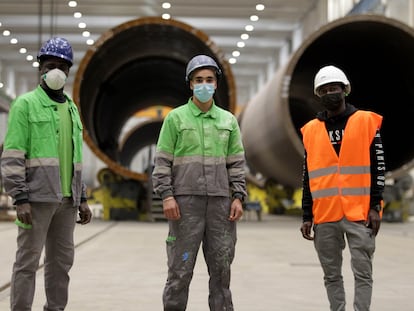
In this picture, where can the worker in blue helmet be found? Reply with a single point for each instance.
(41, 169)
(199, 174)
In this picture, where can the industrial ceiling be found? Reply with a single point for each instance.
(32, 22)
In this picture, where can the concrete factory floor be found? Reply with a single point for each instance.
(121, 266)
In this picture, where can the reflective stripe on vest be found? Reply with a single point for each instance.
(340, 185)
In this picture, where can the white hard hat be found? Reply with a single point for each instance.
(331, 74)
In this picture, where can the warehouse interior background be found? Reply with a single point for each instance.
(253, 40)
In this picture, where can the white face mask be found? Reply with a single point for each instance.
(55, 79)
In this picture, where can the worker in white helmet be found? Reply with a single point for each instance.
(343, 183)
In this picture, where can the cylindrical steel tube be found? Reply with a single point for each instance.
(376, 53)
(133, 66)
(143, 135)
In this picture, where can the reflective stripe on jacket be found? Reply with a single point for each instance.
(199, 153)
(340, 185)
(30, 159)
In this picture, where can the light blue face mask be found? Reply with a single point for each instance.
(203, 91)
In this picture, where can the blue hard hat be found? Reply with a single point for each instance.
(201, 61)
(58, 47)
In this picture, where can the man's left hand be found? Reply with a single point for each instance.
(374, 221)
(85, 214)
(236, 210)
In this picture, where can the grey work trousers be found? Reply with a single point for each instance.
(329, 243)
(203, 219)
(53, 227)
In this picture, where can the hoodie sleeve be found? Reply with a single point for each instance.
(307, 201)
(377, 170)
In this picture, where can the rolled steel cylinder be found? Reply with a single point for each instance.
(376, 53)
(141, 64)
(137, 138)
(133, 66)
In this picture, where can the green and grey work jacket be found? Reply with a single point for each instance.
(30, 159)
(199, 154)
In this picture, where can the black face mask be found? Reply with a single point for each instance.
(332, 101)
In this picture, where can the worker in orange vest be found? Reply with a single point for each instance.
(343, 183)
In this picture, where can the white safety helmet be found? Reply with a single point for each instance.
(331, 74)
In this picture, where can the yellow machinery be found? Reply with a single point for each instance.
(275, 198)
(397, 201)
(121, 198)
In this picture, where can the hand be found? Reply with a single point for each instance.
(171, 209)
(85, 214)
(374, 221)
(306, 229)
(24, 213)
(236, 210)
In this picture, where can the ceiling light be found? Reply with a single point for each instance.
(72, 4)
(90, 42)
(166, 16)
(13, 41)
(240, 44)
(235, 53)
(77, 15)
(249, 28)
(260, 7)
(254, 18)
(82, 25)
(166, 5)
(29, 58)
(35, 64)
(244, 36)
(1, 85)
(86, 34)
(6, 33)
(22, 51)
(232, 60)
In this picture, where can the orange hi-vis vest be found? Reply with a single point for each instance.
(341, 185)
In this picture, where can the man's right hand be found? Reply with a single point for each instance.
(24, 213)
(306, 230)
(171, 209)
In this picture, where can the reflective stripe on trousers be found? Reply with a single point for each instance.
(203, 219)
(329, 243)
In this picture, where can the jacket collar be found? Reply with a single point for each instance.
(212, 113)
(47, 101)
